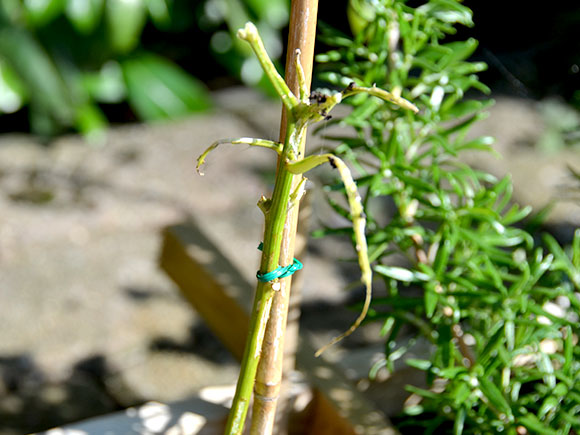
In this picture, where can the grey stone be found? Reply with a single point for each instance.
(89, 322)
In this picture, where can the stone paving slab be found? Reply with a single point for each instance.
(81, 296)
(79, 276)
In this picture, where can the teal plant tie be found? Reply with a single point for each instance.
(280, 271)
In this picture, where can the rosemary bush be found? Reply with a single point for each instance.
(499, 306)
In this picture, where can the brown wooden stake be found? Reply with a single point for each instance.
(276, 358)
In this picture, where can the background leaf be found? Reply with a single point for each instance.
(158, 89)
(84, 15)
(125, 20)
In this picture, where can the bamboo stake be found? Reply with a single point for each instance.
(274, 361)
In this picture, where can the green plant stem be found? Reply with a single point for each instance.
(275, 219)
(270, 409)
(258, 321)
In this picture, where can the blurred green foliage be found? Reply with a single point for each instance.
(223, 18)
(498, 306)
(63, 58)
(562, 125)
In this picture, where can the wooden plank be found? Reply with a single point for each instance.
(209, 282)
(220, 294)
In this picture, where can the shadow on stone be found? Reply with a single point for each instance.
(200, 341)
(30, 401)
(143, 294)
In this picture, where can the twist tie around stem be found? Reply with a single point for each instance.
(280, 271)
